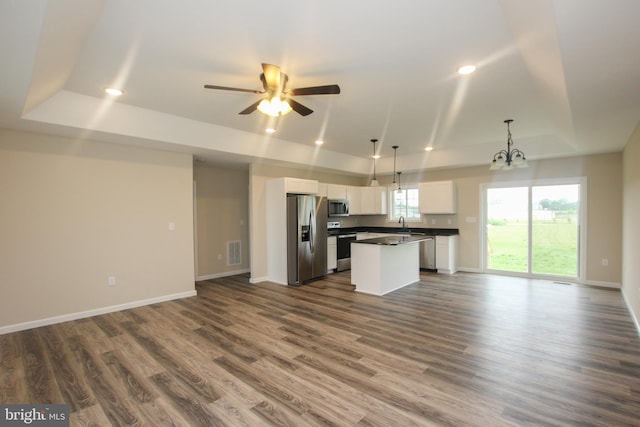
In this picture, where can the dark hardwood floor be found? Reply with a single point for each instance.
(459, 350)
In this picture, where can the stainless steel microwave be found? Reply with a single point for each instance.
(338, 207)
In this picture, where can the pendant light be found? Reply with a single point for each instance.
(395, 150)
(399, 186)
(374, 181)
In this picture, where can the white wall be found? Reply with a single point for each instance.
(74, 212)
(631, 226)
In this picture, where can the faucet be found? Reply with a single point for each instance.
(401, 220)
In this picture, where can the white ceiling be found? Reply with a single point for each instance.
(565, 70)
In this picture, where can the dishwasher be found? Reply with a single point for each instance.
(428, 254)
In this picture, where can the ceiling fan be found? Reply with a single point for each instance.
(278, 101)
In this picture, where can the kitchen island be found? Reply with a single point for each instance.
(384, 264)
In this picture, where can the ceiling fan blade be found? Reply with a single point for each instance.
(315, 90)
(271, 75)
(251, 108)
(299, 108)
(233, 88)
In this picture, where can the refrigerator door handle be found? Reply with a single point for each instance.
(312, 232)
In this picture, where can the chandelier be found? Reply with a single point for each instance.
(509, 158)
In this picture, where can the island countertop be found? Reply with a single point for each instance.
(393, 240)
(383, 264)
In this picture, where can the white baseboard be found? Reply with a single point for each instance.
(224, 274)
(469, 270)
(255, 280)
(633, 315)
(90, 313)
(611, 285)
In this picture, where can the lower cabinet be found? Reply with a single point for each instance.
(332, 253)
(447, 254)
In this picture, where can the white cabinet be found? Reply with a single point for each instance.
(447, 254)
(299, 185)
(336, 192)
(322, 189)
(354, 197)
(332, 253)
(367, 200)
(373, 200)
(437, 197)
(276, 222)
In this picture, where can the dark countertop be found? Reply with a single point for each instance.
(393, 240)
(425, 231)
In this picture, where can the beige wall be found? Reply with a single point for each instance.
(631, 226)
(222, 215)
(74, 212)
(604, 207)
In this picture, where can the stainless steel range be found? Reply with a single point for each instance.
(344, 244)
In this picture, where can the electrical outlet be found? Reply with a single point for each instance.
(605, 262)
(219, 257)
(111, 280)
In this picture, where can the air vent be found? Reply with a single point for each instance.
(234, 252)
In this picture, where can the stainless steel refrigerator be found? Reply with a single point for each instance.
(306, 238)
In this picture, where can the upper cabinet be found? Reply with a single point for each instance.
(299, 185)
(438, 197)
(367, 200)
(354, 198)
(373, 200)
(336, 192)
(322, 189)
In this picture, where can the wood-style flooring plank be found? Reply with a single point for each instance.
(69, 379)
(460, 350)
(114, 403)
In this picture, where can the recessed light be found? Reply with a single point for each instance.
(270, 130)
(319, 142)
(377, 156)
(466, 69)
(114, 91)
(428, 148)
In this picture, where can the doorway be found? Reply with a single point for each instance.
(534, 229)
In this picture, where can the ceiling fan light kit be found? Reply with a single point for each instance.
(509, 158)
(278, 101)
(274, 107)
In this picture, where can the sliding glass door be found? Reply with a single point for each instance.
(507, 225)
(533, 229)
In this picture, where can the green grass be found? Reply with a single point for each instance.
(554, 247)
